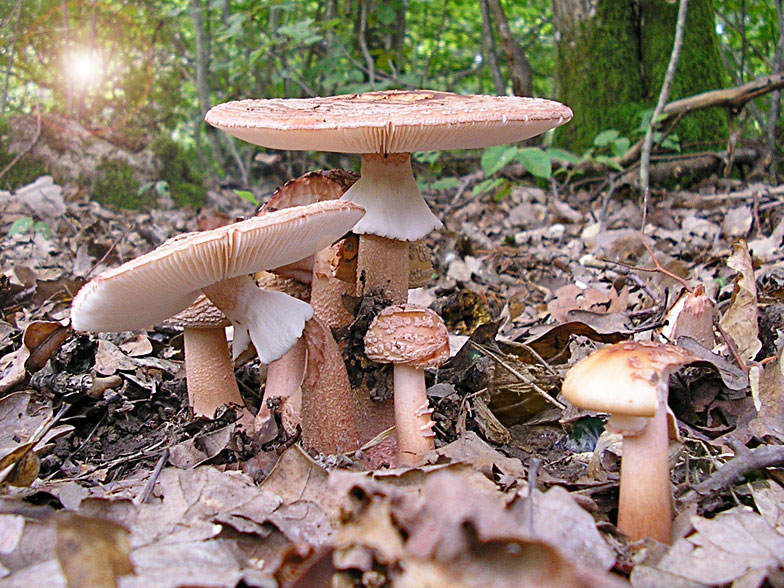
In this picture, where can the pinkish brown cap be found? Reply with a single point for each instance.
(163, 282)
(408, 334)
(625, 379)
(394, 121)
(202, 314)
(312, 187)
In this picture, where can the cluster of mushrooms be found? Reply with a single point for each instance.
(279, 280)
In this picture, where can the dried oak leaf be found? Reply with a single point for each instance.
(738, 546)
(740, 319)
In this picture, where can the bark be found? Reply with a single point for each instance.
(489, 50)
(201, 62)
(519, 66)
(775, 97)
(67, 45)
(15, 16)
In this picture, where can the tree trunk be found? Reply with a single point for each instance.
(519, 67)
(489, 50)
(202, 85)
(699, 69)
(611, 56)
(775, 97)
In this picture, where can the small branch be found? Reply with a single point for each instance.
(645, 158)
(744, 461)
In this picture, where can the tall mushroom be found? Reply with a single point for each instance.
(163, 282)
(384, 127)
(629, 382)
(412, 338)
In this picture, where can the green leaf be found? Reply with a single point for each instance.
(162, 187)
(42, 229)
(610, 162)
(606, 137)
(487, 185)
(505, 190)
(143, 188)
(445, 184)
(563, 155)
(620, 146)
(247, 195)
(494, 158)
(20, 225)
(428, 157)
(536, 161)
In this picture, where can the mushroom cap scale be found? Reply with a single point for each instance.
(202, 314)
(408, 334)
(395, 121)
(161, 283)
(628, 378)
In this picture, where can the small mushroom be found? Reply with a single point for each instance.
(385, 127)
(412, 338)
(629, 382)
(209, 371)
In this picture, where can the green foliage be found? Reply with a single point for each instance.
(184, 184)
(115, 185)
(27, 224)
(24, 171)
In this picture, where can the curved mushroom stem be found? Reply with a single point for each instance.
(329, 414)
(645, 505)
(413, 425)
(284, 380)
(209, 371)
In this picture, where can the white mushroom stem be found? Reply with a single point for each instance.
(413, 424)
(645, 504)
(284, 381)
(209, 371)
(273, 321)
(396, 211)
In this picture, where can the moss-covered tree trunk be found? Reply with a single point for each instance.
(611, 56)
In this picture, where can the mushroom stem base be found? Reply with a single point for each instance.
(645, 504)
(412, 416)
(209, 371)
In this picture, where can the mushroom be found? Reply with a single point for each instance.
(163, 282)
(384, 127)
(209, 371)
(412, 338)
(628, 381)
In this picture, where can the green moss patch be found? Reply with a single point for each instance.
(115, 185)
(26, 170)
(186, 186)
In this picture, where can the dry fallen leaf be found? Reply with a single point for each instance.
(740, 319)
(737, 546)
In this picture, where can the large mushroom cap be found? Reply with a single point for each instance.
(624, 379)
(408, 334)
(396, 121)
(161, 283)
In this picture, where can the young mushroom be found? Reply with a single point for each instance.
(165, 281)
(385, 127)
(412, 338)
(209, 371)
(629, 382)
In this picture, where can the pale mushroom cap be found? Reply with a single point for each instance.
(161, 283)
(628, 378)
(396, 121)
(408, 334)
(202, 314)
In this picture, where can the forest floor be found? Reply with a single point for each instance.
(131, 487)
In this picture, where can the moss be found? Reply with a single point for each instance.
(24, 171)
(699, 67)
(116, 185)
(599, 76)
(186, 186)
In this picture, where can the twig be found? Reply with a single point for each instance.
(147, 490)
(744, 461)
(517, 374)
(533, 471)
(21, 154)
(645, 156)
(117, 241)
